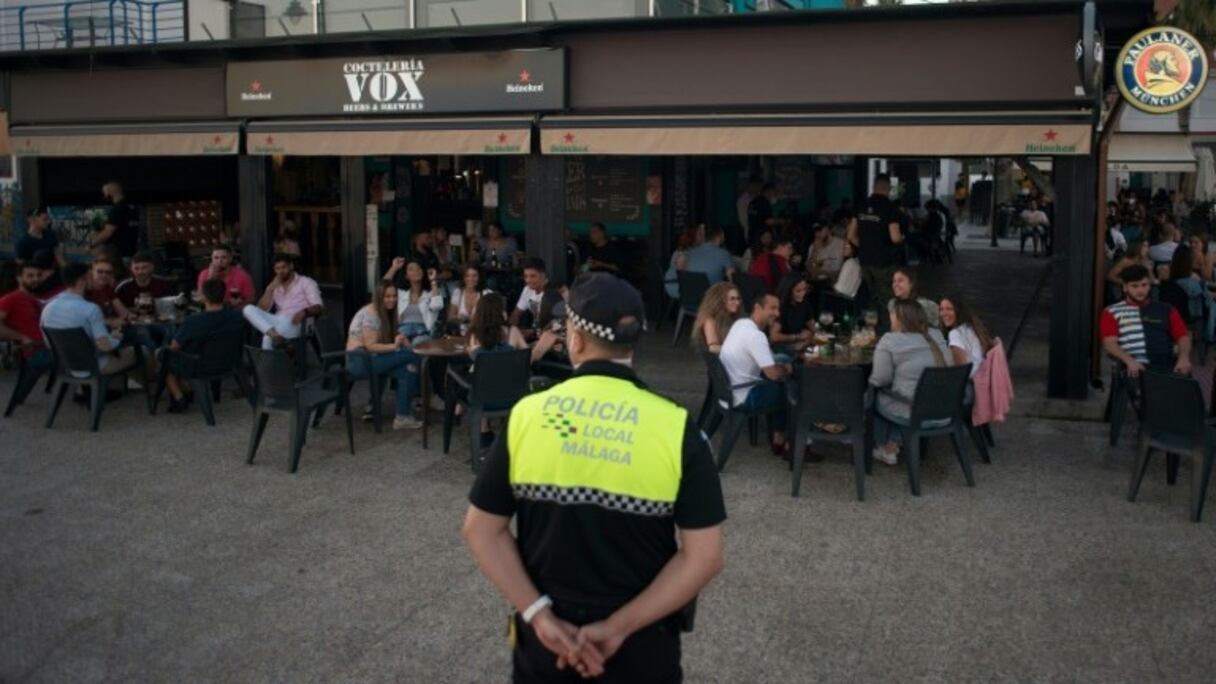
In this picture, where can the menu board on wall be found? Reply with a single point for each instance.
(606, 189)
(681, 205)
(792, 176)
(513, 189)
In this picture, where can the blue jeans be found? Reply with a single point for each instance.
(394, 365)
(414, 332)
(766, 396)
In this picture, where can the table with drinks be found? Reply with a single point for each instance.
(842, 344)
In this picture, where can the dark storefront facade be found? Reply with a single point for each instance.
(642, 125)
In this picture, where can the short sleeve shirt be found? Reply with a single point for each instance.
(709, 259)
(125, 237)
(21, 312)
(963, 337)
(585, 552)
(874, 219)
(745, 352)
(365, 319)
(104, 298)
(29, 245)
(235, 279)
(527, 297)
(128, 290)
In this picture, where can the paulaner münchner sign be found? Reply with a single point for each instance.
(1161, 70)
(517, 80)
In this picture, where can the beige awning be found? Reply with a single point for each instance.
(142, 140)
(373, 137)
(938, 135)
(1148, 152)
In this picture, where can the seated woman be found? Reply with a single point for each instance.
(488, 331)
(417, 306)
(374, 328)
(718, 311)
(900, 358)
(968, 336)
(1201, 305)
(689, 238)
(903, 284)
(849, 280)
(464, 301)
(796, 324)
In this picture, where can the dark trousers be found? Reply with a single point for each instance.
(769, 395)
(650, 655)
(878, 281)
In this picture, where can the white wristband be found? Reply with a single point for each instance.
(537, 606)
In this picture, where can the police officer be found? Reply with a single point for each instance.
(602, 476)
(874, 232)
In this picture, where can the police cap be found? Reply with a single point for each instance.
(607, 307)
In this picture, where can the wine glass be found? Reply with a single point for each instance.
(826, 319)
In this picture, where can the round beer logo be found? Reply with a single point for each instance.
(1162, 69)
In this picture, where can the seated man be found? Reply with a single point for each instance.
(102, 293)
(19, 314)
(140, 292)
(710, 258)
(1142, 333)
(237, 281)
(604, 254)
(536, 281)
(771, 267)
(71, 310)
(747, 358)
(292, 296)
(50, 282)
(190, 337)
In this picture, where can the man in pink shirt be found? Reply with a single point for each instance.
(237, 281)
(291, 296)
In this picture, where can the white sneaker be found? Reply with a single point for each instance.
(881, 454)
(406, 423)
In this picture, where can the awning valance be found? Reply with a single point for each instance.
(342, 137)
(997, 133)
(134, 140)
(1147, 152)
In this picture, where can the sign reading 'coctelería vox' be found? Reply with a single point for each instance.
(519, 80)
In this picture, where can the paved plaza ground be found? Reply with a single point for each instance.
(149, 551)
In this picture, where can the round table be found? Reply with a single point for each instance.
(842, 357)
(444, 348)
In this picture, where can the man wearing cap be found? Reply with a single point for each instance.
(603, 476)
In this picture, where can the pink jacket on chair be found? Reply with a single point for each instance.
(993, 388)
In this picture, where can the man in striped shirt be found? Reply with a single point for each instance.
(1142, 333)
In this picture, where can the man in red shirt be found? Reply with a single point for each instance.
(773, 266)
(1143, 333)
(237, 282)
(101, 292)
(20, 311)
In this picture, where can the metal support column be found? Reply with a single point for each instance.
(354, 236)
(253, 177)
(1072, 276)
(546, 213)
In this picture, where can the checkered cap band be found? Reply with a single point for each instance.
(572, 496)
(600, 331)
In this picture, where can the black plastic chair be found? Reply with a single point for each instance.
(1117, 401)
(1174, 423)
(725, 410)
(667, 305)
(278, 392)
(937, 411)
(831, 395)
(499, 380)
(27, 381)
(1172, 293)
(219, 357)
(750, 287)
(76, 366)
(331, 343)
(693, 286)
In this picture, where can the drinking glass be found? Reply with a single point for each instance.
(826, 319)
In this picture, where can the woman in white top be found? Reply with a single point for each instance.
(968, 336)
(464, 301)
(373, 328)
(849, 280)
(417, 307)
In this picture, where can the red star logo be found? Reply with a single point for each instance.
(28, 142)
(524, 76)
(217, 139)
(1050, 135)
(502, 138)
(256, 86)
(569, 138)
(270, 140)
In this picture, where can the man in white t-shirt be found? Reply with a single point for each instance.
(747, 358)
(536, 279)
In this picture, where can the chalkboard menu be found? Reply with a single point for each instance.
(792, 176)
(607, 189)
(513, 190)
(681, 202)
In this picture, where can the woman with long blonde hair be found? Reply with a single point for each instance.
(718, 311)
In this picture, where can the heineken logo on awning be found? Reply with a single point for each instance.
(568, 146)
(1161, 70)
(1048, 144)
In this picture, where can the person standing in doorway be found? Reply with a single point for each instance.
(874, 232)
(117, 230)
